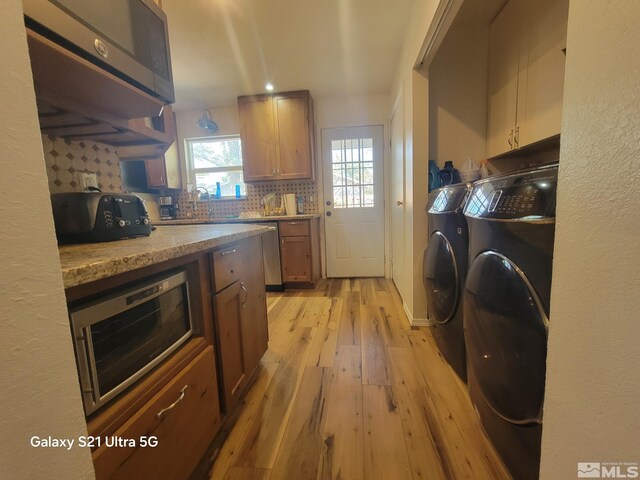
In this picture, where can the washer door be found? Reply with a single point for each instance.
(440, 274)
(506, 337)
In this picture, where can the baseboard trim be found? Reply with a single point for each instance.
(420, 322)
(415, 322)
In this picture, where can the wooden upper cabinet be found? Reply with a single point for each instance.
(277, 136)
(257, 138)
(526, 73)
(293, 135)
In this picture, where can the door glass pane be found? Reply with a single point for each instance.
(353, 173)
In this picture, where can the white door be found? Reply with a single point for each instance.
(398, 269)
(354, 201)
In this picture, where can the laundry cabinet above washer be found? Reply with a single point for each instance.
(527, 43)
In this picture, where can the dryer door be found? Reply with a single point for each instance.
(440, 275)
(506, 337)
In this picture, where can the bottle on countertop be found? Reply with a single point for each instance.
(300, 204)
(218, 193)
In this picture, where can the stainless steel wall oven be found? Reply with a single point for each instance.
(120, 337)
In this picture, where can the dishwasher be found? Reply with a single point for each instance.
(271, 258)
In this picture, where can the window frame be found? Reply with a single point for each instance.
(192, 171)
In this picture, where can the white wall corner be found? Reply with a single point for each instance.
(415, 322)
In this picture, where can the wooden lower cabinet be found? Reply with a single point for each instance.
(255, 325)
(228, 306)
(184, 417)
(300, 251)
(240, 315)
(295, 254)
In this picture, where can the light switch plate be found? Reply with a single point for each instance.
(87, 180)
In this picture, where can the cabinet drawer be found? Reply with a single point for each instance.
(189, 420)
(226, 265)
(294, 228)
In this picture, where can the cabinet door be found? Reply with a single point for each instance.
(184, 431)
(257, 134)
(293, 135)
(540, 99)
(228, 318)
(254, 307)
(295, 254)
(156, 175)
(504, 53)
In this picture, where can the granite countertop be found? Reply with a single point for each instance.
(88, 262)
(193, 221)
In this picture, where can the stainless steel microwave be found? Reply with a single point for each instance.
(121, 337)
(129, 38)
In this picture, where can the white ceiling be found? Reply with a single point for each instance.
(224, 48)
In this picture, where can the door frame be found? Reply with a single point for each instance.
(320, 164)
(389, 204)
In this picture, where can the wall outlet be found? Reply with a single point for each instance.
(87, 180)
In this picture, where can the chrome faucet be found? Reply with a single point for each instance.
(209, 206)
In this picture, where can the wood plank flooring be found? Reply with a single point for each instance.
(348, 391)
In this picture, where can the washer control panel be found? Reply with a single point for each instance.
(527, 195)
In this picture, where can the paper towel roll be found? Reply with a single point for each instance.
(290, 203)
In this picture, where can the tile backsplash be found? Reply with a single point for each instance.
(64, 159)
(255, 192)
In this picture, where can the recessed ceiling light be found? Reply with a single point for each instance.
(269, 87)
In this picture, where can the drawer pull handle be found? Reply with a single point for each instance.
(182, 393)
(227, 252)
(294, 223)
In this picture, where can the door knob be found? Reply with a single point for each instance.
(328, 202)
(399, 203)
(328, 214)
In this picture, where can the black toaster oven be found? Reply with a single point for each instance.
(85, 217)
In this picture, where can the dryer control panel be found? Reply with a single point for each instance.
(525, 195)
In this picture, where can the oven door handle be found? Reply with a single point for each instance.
(173, 405)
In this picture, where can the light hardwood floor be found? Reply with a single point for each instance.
(347, 390)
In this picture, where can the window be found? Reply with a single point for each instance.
(216, 159)
(352, 162)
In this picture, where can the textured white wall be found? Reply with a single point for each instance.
(39, 392)
(593, 375)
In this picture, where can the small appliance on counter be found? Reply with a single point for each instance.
(88, 217)
(167, 208)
